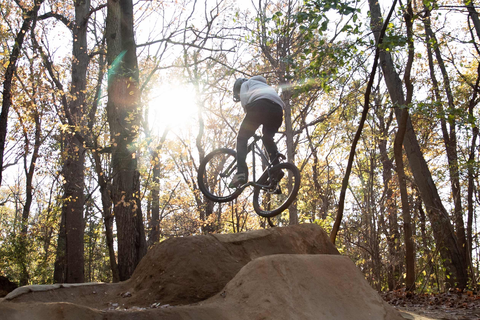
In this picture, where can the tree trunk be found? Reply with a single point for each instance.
(407, 221)
(400, 136)
(29, 173)
(206, 208)
(443, 231)
(471, 173)
(286, 97)
(103, 182)
(154, 235)
(449, 136)
(106, 197)
(69, 265)
(123, 113)
(72, 210)
(472, 12)
(74, 161)
(388, 205)
(60, 267)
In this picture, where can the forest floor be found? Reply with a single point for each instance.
(421, 313)
(443, 306)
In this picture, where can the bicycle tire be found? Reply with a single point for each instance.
(212, 178)
(269, 204)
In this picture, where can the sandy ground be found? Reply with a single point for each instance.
(427, 313)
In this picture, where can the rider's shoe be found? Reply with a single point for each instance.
(238, 180)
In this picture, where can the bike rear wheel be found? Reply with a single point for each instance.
(276, 197)
(216, 172)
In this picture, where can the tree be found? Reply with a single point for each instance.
(445, 237)
(123, 113)
(29, 17)
(366, 107)
(70, 249)
(29, 166)
(104, 181)
(74, 154)
(399, 137)
(388, 207)
(290, 36)
(154, 235)
(448, 125)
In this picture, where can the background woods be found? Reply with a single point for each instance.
(108, 107)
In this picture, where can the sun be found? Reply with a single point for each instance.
(173, 107)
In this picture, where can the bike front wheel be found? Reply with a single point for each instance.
(271, 198)
(216, 172)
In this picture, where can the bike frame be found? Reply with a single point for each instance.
(255, 149)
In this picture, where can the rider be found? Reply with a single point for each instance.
(263, 106)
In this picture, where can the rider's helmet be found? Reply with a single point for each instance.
(236, 88)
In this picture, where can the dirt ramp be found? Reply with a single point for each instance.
(286, 287)
(280, 287)
(192, 269)
(182, 271)
(281, 273)
(323, 287)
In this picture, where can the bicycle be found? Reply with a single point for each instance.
(274, 191)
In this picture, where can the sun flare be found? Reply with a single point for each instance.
(172, 106)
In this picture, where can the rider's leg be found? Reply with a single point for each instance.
(258, 112)
(271, 123)
(248, 127)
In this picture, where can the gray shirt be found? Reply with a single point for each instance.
(257, 88)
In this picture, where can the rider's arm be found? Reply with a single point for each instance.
(244, 94)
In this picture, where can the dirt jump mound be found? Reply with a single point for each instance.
(280, 273)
